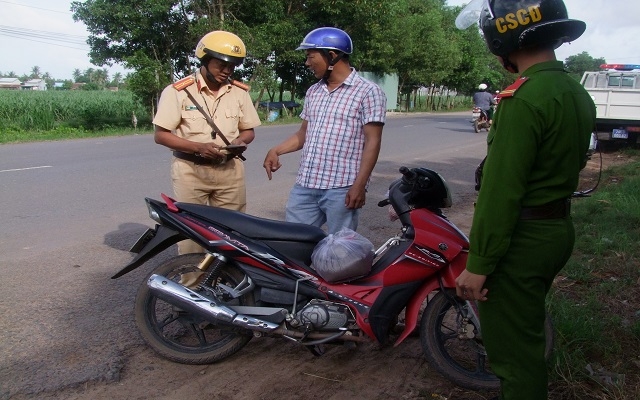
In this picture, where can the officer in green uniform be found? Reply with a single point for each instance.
(522, 233)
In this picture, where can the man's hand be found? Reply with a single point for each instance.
(469, 286)
(271, 162)
(356, 197)
(209, 150)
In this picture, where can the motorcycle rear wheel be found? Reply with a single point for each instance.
(179, 335)
(463, 361)
(476, 126)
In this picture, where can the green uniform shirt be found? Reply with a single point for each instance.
(537, 145)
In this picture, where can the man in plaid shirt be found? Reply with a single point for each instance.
(340, 136)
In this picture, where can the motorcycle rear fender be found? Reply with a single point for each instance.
(162, 239)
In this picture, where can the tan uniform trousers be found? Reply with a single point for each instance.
(220, 186)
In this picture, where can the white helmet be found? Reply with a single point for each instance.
(482, 86)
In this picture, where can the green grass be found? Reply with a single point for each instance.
(30, 116)
(595, 303)
(50, 115)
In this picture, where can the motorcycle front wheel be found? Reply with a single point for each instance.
(184, 337)
(459, 357)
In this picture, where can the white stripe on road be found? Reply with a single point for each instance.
(24, 169)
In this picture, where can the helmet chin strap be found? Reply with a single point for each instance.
(332, 63)
(508, 65)
(210, 76)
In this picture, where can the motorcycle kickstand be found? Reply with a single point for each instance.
(316, 349)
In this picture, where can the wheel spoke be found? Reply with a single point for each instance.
(199, 334)
(448, 336)
(168, 320)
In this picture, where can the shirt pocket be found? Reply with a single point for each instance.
(194, 122)
(233, 114)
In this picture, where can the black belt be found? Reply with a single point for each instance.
(199, 159)
(552, 210)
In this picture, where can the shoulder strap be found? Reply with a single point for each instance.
(184, 82)
(213, 125)
(510, 90)
(241, 85)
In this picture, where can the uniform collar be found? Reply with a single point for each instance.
(202, 85)
(544, 66)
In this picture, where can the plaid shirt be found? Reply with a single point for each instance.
(334, 142)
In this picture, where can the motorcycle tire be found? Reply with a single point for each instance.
(181, 336)
(476, 126)
(464, 361)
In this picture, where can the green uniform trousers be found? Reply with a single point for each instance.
(512, 318)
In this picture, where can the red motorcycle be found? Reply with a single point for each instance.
(257, 279)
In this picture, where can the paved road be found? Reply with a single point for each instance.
(70, 210)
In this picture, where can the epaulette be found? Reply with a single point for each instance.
(240, 85)
(510, 90)
(184, 82)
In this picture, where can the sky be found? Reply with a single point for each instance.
(42, 33)
(612, 29)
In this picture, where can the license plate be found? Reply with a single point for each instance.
(619, 134)
(143, 240)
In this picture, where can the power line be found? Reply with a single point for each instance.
(63, 37)
(52, 38)
(39, 8)
(40, 41)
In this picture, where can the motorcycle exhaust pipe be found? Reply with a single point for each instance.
(204, 307)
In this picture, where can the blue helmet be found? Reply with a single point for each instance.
(327, 38)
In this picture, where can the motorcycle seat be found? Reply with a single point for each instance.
(256, 227)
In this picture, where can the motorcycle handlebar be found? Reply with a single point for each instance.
(407, 173)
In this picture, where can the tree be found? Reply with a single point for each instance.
(35, 72)
(579, 63)
(117, 80)
(100, 77)
(420, 51)
(147, 81)
(414, 38)
(76, 74)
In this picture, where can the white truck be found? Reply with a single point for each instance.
(616, 93)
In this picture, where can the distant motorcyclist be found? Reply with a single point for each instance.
(496, 98)
(484, 100)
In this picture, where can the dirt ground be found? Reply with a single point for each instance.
(277, 369)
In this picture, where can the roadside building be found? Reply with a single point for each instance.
(10, 83)
(35, 84)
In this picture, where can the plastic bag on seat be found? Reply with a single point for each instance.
(343, 256)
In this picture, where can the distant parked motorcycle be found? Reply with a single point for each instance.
(480, 119)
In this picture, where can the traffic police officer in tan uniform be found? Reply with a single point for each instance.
(202, 171)
(522, 233)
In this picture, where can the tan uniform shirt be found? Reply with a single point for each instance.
(232, 110)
